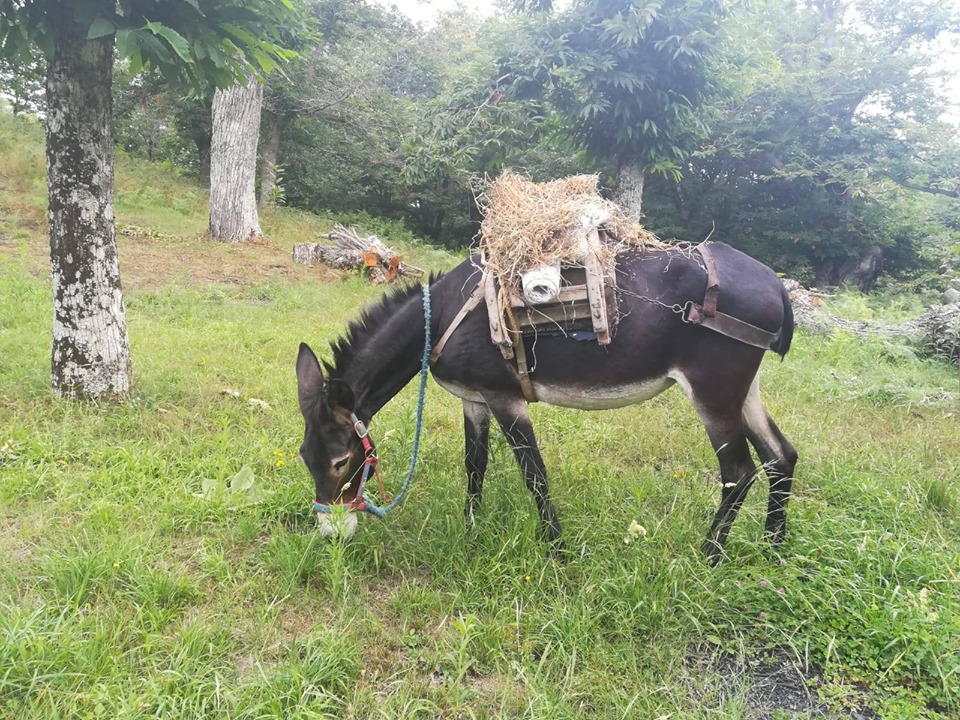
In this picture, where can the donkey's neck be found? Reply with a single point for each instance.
(386, 349)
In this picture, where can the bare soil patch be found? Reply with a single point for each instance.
(148, 263)
(772, 685)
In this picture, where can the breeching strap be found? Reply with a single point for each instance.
(708, 316)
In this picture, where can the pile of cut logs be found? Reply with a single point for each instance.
(348, 251)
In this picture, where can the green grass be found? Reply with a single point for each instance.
(135, 584)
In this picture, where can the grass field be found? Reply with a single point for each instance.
(136, 581)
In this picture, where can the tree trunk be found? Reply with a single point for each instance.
(629, 193)
(203, 153)
(863, 272)
(233, 162)
(91, 352)
(268, 158)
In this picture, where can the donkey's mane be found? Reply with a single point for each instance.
(359, 332)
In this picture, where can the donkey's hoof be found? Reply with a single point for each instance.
(713, 550)
(777, 534)
(559, 550)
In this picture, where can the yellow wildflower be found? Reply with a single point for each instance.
(634, 532)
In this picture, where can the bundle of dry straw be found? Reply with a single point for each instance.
(527, 224)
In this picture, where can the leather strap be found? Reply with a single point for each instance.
(738, 330)
(526, 386)
(472, 302)
(707, 315)
(513, 331)
(712, 293)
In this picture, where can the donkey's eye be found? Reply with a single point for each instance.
(338, 464)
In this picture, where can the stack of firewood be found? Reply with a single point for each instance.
(348, 251)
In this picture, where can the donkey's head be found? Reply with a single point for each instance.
(332, 449)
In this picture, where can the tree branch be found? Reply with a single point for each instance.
(927, 188)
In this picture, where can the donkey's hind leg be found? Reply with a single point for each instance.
(511, 414)
(737, 473)
(719, 407)
(778, 456)
(476, 432)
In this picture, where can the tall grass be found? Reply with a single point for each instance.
(137, 582)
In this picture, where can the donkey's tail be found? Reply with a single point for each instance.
(781, 341)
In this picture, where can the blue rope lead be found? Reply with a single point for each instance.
(381, 512)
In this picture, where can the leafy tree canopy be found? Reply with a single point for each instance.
(22, 82)
(191, 41)
(832, 118)
(629, 75)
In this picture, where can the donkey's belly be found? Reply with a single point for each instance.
(595, 397)
(576, 395)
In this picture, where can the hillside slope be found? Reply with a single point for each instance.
(161, 220)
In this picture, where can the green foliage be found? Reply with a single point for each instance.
(628, 77)
(22, 82)
(591, 88)
(469, 126)
(189, 41)
(816, 156)
(145, 113)
(341, 167)
(345, 106)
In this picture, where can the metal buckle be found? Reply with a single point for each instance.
(358, 425)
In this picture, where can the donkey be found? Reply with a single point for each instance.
(655, 346)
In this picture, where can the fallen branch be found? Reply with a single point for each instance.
(937, 330)
(348, 251)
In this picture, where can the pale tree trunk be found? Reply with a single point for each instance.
(233, 162)
(91, 352)
(269, 157)
(629, 193)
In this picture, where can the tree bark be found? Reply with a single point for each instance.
(863, 272)
(629, 193)
(233, 162)
(91, 351)
(269, 157)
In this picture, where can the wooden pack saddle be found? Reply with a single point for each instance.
(587, 303)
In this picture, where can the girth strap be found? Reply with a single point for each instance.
(707, 315)
(523, 369)
(512, 344)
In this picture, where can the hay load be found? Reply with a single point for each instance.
(532, 229)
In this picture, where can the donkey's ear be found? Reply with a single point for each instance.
(341, 396)
(309, 381)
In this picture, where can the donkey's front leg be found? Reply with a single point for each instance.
(511, 414)
(476, 432)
